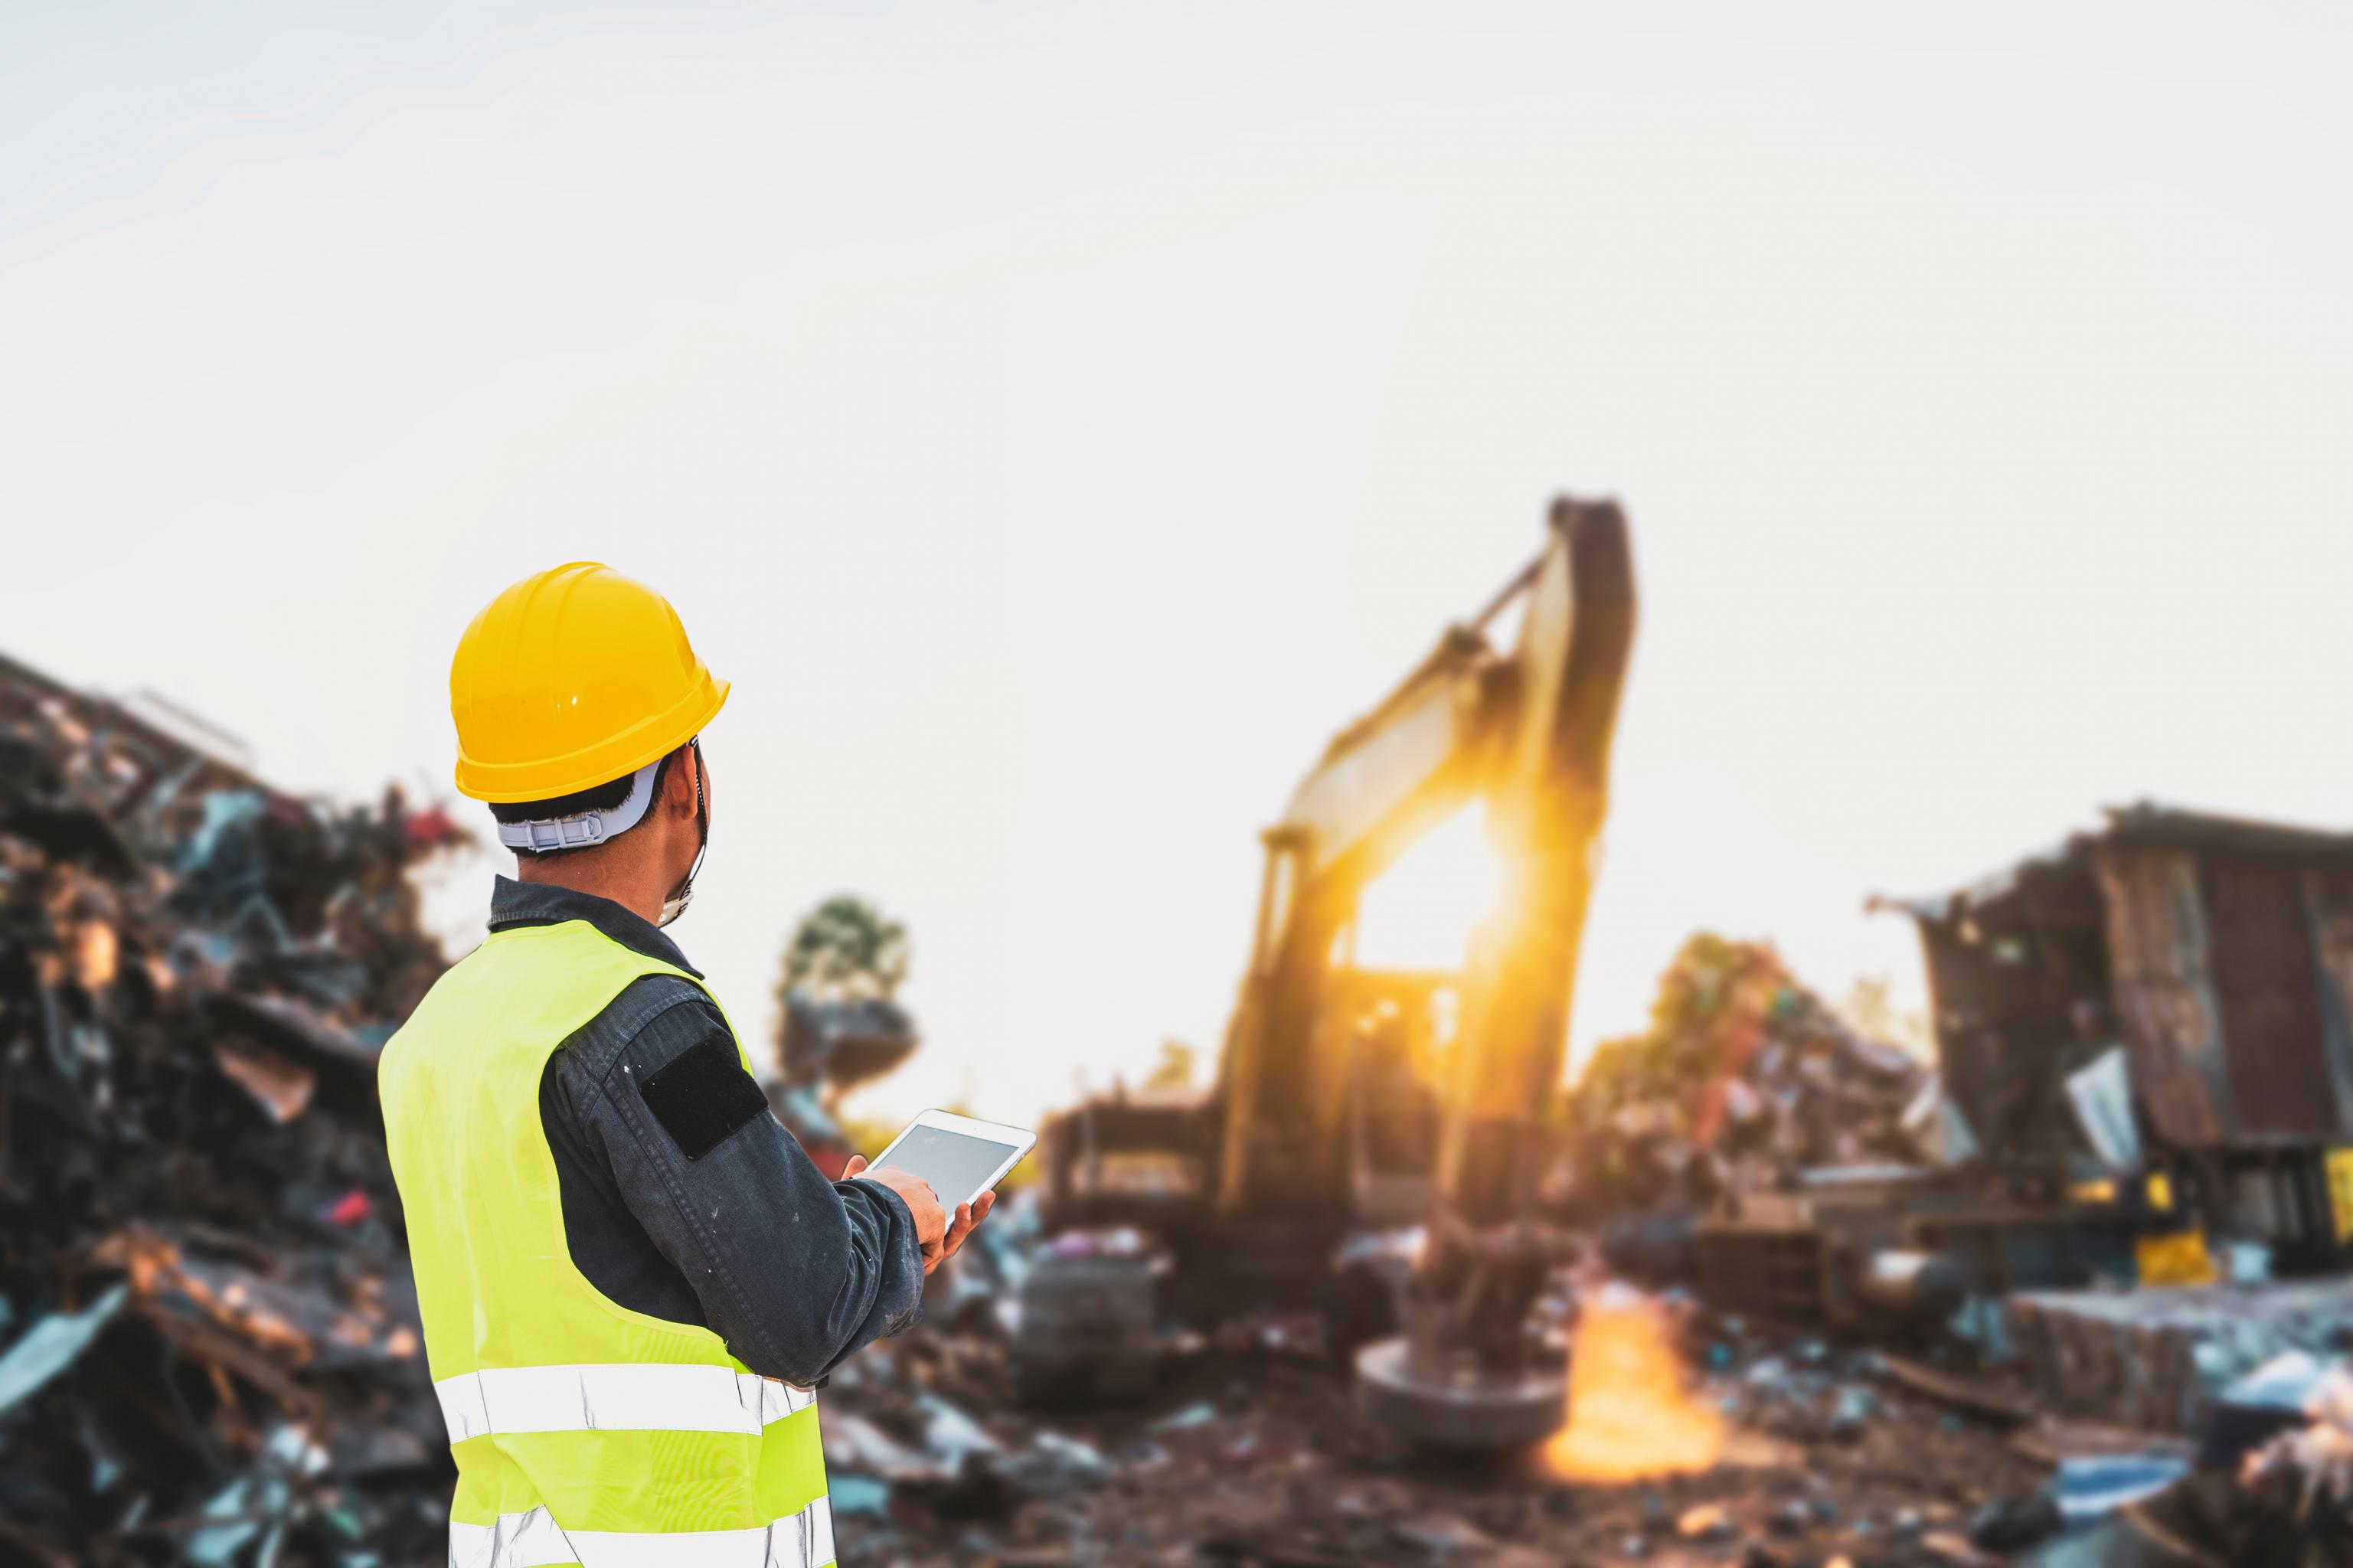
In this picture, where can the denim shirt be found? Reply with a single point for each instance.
(749, 1240)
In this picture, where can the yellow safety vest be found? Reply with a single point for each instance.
(584, 1432)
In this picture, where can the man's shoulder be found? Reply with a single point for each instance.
(657, 1005)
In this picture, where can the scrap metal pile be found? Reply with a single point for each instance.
(208, 1345)
(1744, 1078)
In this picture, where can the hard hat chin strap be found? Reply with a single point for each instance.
(683, 894)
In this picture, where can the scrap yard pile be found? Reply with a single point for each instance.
(209, 1346)
(1744, 1078)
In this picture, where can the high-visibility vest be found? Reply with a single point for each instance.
(584, 1432)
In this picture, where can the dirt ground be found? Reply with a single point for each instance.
(1259, 1461)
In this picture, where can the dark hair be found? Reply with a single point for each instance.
(596, 797)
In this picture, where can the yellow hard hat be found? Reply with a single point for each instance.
(573, 678)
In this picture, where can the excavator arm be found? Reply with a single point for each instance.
(1526, 730)
(1470, 1368)
(1325, 1115)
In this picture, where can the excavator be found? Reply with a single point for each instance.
(1376, 1114)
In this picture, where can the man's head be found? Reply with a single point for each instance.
(578, 702)
(649, 862)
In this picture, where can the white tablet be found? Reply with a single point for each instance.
(960, 1157)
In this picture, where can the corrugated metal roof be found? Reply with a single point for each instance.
(2143, 821)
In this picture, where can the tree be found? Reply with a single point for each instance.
(845, 950)
(1871, 1007)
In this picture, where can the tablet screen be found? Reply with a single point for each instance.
(955, 1165)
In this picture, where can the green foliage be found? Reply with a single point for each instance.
(1716, 1003)
(845, 950)
(1870, 1006)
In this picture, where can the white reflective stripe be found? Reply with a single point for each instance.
(517, 1541)
(462, 1410)
(620, 1396)
(778, 1398)
(804, 1540)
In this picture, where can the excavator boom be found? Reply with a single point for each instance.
(1527, 731)
(1342, 1103)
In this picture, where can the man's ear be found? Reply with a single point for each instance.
(678, 783)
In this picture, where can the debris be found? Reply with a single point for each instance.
(2053, 1443)
(1976, 1394)
(279, 1087)
(2101, 1097)
(1937, 1127)
(1708, 1521)
(2247, 1262)
(197, 1217)
(2015, 1523)
(1851, 1412)
(1200, 1414)
(950, 1436)
(1743, 1079)
(2175, 1258)
(2316, 1460)
(50, 1346)
(1441, 1534)
(2097, 1485)
(2162, 1359)
(1054, 1463)
(852, 1496)
(195, 973)
(855, 1445)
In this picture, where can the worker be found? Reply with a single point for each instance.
(631, 1278)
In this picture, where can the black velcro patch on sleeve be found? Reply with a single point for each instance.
(702, 1095)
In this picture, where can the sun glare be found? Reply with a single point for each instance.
(1631, 1413)
(1420, 914)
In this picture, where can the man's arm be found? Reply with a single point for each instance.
(793, 1271)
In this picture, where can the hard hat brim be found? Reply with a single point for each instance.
(615, 756)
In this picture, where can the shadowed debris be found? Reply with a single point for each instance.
(208, 1342)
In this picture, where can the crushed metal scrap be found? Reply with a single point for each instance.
(1745, 1079)
(208, 1340)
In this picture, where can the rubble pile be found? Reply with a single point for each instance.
(209, 1344)
(1744, 1078)
(2274, 1490)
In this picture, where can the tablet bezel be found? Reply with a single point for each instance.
(1022, 1138)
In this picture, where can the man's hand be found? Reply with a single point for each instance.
(938, 1235)
(930, 1220)
(966, 1216)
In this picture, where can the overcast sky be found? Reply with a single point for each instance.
(1058, 419)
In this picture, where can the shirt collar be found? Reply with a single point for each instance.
(514, 903)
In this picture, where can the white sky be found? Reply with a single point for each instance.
(1058, 419)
